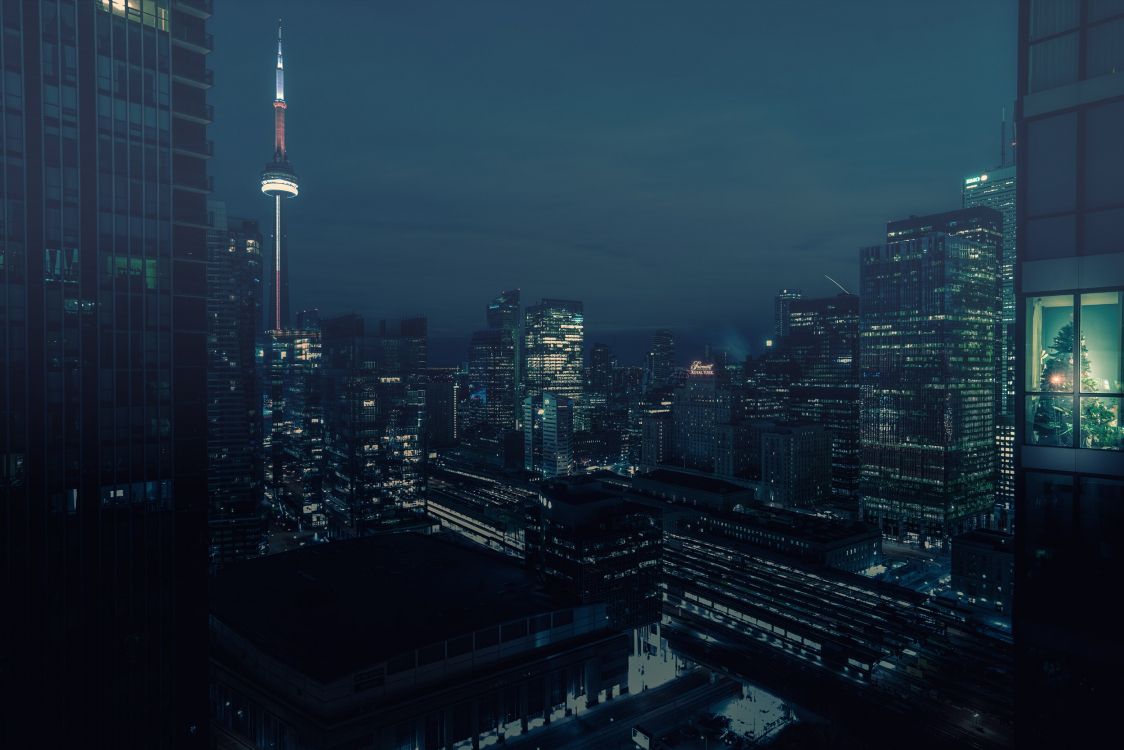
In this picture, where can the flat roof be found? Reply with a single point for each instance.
(330, 609)
(998, 540)
(798, 525)
(693, 482)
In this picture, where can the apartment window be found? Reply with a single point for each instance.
(1101, 331)
(1074, 370)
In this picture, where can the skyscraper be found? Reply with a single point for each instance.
(996, 189)
(279, 181)
(234, 421)
(351, 433)
(823, 347)
(697, 408)
(491, 373)
(661, 360)
(1069, 284)
(781, 305)
(402, 347)
(503, 311)
(929, 306)
(103, 355)
(553, 338)
(548, 430)
(293, 427)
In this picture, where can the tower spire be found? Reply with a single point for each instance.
(280, 66)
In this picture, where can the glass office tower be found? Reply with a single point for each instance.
(823, 346)
(553, 341)
(234, 420)
(996, 189)
(1069, 308)
(103, 354)
(929, 303)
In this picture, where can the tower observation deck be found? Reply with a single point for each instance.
(279, 181)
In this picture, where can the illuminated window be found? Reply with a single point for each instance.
(1069, 359)
(152, 13)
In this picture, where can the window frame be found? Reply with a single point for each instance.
(1075, 393)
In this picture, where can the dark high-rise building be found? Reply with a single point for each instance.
(601, 363)
(402, 347)
(782, 303)
(234, 420)
(553, 339)
(279, 182)
(661, 360)
(657, 433)
(351, 431)
(593, 544)
(795, 464)
(996, 189)
(441, 427)
(503, 311)
(548, 433)
(927, 332)
(307, 319)
(1069, 284)
(293, 427)
(823, 347)
(103, 355)
(491, 375)
(697, 408)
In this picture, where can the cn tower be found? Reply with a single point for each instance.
(279, 181)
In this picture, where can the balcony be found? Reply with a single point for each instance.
(203, 80)
(204, 116)
(197, 184)
(202, 149)
(197, 8)
(197, 41)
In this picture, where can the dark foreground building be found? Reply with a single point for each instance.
(103, 353)
(1069, 461)
(399, 641)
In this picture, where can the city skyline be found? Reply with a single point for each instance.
(654, 375)
(545, 150)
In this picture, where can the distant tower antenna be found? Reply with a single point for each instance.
(833, 281)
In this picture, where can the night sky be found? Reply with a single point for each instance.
(669, 163)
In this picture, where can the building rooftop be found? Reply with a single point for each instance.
(693, 482)
(808, 528)
(997, 540)
(330, 609)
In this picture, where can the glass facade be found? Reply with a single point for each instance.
(553, 342)
(927, 423)
(234, 441)
(996, 189)
(103, 121)
(823, 342)
(1069, 461)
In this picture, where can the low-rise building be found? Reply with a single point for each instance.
(983, 567)
(400, 641)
